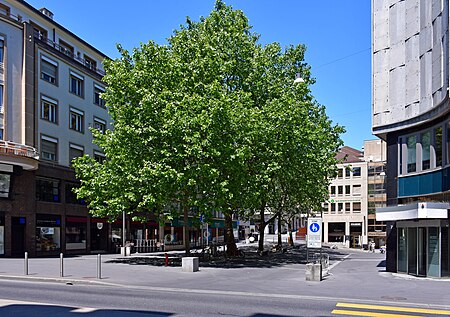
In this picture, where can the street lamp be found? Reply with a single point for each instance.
(298, 79)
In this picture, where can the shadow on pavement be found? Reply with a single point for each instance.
(22, 310)
(382, 264)
(295, 255)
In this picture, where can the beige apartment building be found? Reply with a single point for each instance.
(346, 217)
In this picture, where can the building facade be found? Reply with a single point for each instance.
(50, 86)
(345, 213)
(410, 111)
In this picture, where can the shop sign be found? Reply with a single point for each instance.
(99, 225)
(48, 222)
(355, 224)
(345, 200)
(48, 230)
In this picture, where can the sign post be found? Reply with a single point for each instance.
(314, 238)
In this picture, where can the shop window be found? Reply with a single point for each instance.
(48, 233)
(5, 185)
(76, 228)
(47, 190)
(411, 152)
(425, 143)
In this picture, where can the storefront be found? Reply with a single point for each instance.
(336, 232)
(76, 234)
(356, 233)
(422, 238)
(48, 233)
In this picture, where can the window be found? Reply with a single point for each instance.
(76, 84)
(48, 233)
(425, 142)
(75, 151)
(356, 190)
(325, 208)
(66, 49)
(90, 63)
(2, 49)
(47, 190)
(76, 120)
(99, 157)
(49, 148)
(49, 70)
(39, 32)
(347, 207)
(98, 90)
(411, 152)
(5, 185)
(347, 172)
(49, 109)
(71, 197)
(356, 206)
(100, 124)
(438, 145)
(340, 190)
(356, 171)
(347, 190)
(340, 173)
(333, 207)
(4, 10)
(333, 191)
(340, 207)
(1, 98)
(1, 134)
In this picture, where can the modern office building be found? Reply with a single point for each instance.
(410, 111)
(50, 86)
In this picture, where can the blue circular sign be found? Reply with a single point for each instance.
(314, 227)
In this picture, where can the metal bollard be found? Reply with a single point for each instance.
(61, 265)
(25, 268)
(99, 266)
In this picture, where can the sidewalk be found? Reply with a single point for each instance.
(354, 275)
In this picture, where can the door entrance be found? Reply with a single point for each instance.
(18, 236)
(99, 236)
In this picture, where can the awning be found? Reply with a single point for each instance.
(418, 210)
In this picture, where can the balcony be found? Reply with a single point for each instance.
(18, 154)
(66, 52)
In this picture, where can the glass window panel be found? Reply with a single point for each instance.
(438, 145)
(433, 252)
(402, 253)
(411, 149)
(426, 142)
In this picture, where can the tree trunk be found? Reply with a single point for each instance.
(186, 242)
(280, 243)
(262, 226)
(229, 236)
(291, 242)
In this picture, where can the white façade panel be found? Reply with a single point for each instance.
(397, 55)
(425, 40)
(397, 88)
(425, 82)
(381, 30)
(412, 18)
(381, 61)
(437, 6)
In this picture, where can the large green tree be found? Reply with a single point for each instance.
(210, 120)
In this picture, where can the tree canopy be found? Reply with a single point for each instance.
(212, 119)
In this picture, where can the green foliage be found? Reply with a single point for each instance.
(212, 120)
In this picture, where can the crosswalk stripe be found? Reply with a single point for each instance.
(367, 313)
(396, 308)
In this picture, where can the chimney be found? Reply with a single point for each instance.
(46, 12)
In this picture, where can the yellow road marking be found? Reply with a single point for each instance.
(396, 308)
(367, 313)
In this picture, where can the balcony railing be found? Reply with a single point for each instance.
(86, 63)
(12, 148)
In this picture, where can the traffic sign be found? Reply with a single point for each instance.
(314, 233)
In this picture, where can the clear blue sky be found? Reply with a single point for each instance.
(337, 35)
